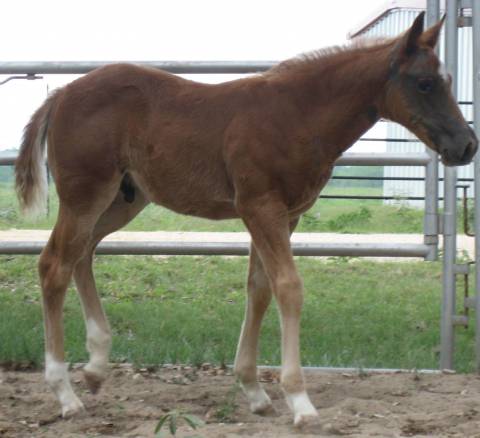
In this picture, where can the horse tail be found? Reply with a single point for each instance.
(30, 169)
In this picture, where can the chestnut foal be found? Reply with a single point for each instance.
(259, 148)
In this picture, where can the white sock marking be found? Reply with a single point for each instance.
(56, 375)
(98, 345)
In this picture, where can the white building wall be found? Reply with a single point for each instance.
(392, 24)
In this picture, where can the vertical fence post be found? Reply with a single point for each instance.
(450, 205)
(430, 227)
(476, 173)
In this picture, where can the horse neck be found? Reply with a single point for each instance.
(339, 94)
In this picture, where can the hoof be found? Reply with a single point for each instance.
(93, 381)
(308, 422)
(73, 408)
(259, 400)
(262, 407)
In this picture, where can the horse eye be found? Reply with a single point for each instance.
(425, 85)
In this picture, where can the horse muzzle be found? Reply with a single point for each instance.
(461, 150)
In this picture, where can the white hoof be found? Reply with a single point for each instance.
(304, 420)
(73, 407)
(259, 400)
(303, 411)
(262, 405)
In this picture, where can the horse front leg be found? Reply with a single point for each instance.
(269, 224)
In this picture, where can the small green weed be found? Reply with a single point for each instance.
(226, 410)
(171, 420)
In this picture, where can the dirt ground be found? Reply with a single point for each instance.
(349, 404)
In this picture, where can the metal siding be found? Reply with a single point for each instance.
(392, 24)
(396, 22)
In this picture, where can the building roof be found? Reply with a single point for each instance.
(384, 10)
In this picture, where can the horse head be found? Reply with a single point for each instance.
(418, 95)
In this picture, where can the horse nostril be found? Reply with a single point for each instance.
(474, 144)
(469, 151)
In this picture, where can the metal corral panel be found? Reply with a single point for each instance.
(391, 24)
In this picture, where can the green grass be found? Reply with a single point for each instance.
(189, 310)
(327, 215)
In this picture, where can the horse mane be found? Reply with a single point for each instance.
(311, 62)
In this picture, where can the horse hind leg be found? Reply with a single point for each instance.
(67, 245)
(121, 211)
(64, 248)
(259, 296)
(98, 329)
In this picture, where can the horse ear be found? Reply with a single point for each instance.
(408, 43)
(430, 36)
(410, 40)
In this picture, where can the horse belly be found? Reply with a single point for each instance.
(204, 196)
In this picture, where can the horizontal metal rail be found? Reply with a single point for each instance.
(231, 249)
(351, 159)
(384, 159)
(178, 67)
(378, 197)
(391, 178)
(391, 140)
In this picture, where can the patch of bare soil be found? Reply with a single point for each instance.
(132, 401)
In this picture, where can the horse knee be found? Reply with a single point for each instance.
(259, 290)
(289, 292)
